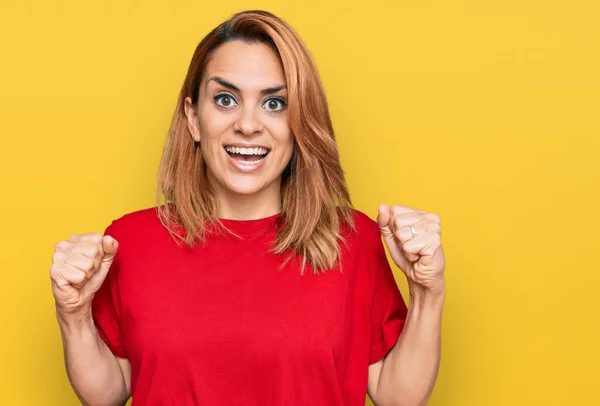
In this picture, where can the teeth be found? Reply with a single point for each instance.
(246, 151)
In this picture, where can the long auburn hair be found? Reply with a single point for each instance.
(314, 196)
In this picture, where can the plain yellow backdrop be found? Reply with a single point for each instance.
(484, 112)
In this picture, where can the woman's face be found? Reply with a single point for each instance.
(241, 121)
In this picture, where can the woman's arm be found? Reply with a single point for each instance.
(98, 377)
(79, 267)
(407, 374)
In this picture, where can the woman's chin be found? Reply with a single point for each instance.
(245, 188)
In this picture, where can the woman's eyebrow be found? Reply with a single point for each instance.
(271, 90)
(224, 83)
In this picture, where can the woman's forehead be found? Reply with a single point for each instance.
(247, 66)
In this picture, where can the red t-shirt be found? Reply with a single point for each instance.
(223, 324)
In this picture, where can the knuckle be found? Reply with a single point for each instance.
(79, 277)
(61, 245)
(95, 238)
(55, 270)
(93, 250)
(58, 256)
(74, 238)
(434, 218)
(88, 264)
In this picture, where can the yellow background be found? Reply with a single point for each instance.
(484, 112)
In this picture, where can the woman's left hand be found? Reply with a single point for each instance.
(418, 251)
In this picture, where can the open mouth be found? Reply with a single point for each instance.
(247, 155)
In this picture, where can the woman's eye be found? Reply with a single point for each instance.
(224, 100)
(274, 104)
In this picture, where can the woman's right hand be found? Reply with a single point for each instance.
(79, 266)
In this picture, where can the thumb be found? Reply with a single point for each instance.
(110, 246)
(383, 218)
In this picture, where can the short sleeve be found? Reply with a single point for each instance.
(106, 304)
(388, 309)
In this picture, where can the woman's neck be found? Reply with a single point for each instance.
(263, 204)
(245, 208)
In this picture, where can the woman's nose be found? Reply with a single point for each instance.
(248, 121)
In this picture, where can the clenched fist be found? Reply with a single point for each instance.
(79, 266)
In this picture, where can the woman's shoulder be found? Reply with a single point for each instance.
(363, 242)
(136, 222)
(365, 228)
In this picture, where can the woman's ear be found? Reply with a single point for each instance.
(192, 119)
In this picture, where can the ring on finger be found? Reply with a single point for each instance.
(413, 231)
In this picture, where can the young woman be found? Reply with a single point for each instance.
(256, 283)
